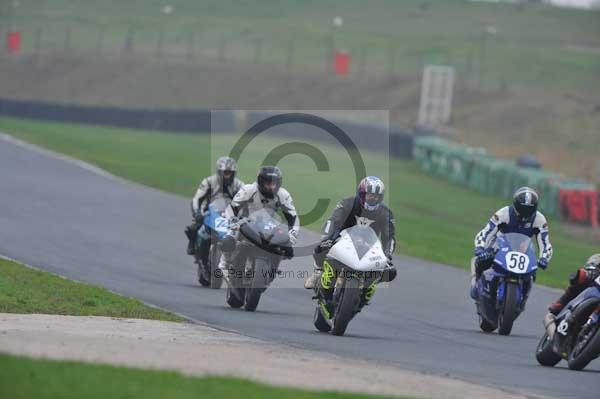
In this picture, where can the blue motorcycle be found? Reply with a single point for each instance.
(210, 234)
(574, 334)
(503, 289)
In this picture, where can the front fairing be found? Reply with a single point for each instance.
(265, 229)
(515, 255)
(215, 217)
(359, 249)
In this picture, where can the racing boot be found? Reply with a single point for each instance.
(311, 281)
(474, 277)
(549, 324)
(225, 266)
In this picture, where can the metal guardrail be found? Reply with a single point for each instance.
(366, 136)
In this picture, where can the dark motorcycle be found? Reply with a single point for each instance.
(208, 252)
(573, 335)
(264, 242)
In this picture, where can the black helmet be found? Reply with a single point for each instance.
(269, 174)
(226, 164)
(525, 202)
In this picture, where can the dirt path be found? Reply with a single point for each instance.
(199, 350)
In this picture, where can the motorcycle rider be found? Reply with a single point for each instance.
(222, 183)
(266, 192)
(521, 217)
(367, 208)
(580, 280)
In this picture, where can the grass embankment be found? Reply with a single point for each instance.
(518, 44)
(25, 290)
(435, 219)
(27, 378)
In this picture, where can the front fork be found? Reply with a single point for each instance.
(524, 288)
(330, 285)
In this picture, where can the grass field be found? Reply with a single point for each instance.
(435, 219)
(25, 290)
(24, 378)
(530, 45)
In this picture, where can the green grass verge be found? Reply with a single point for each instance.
(532, 44)
(436, 220)
(25, 290)
(28, 378)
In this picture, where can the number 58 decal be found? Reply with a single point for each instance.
(517, 262)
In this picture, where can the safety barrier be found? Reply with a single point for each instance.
(475, 168)
(366, 136)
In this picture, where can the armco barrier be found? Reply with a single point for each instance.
(365, 136)
(475, 169)
(159, 119)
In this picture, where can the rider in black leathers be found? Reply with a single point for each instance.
(365, 207)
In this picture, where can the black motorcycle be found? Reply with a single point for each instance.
(215, 226)
(263, 243)
(573, 335)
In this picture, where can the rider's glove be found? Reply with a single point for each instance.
(198, 217)
(389, 274)
(543, 263)
(234, 224)
(325, 245)
(484, 254)
(293, 236)
(389, 260)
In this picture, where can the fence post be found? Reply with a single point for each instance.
(129, 36)
(159, 44)
(100, 41)
(222, 49)
(362, 63)
(290, 54)
(391, 61)
(258, 51)
(67, 47)
(38, 44)
(190, 46)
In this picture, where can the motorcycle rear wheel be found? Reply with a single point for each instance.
(202, 275)
(586, 348)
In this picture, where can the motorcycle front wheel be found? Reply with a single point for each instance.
(347, 305)
(544, 353)
(509, 311)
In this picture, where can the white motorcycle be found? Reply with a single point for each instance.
(351, 271)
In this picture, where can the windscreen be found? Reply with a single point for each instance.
(363, 238)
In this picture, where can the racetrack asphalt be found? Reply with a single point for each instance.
(68, 218)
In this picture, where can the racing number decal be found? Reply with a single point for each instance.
(221, 224)
(563, 327)
(517, 262)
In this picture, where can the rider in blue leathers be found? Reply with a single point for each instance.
(521, 217)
